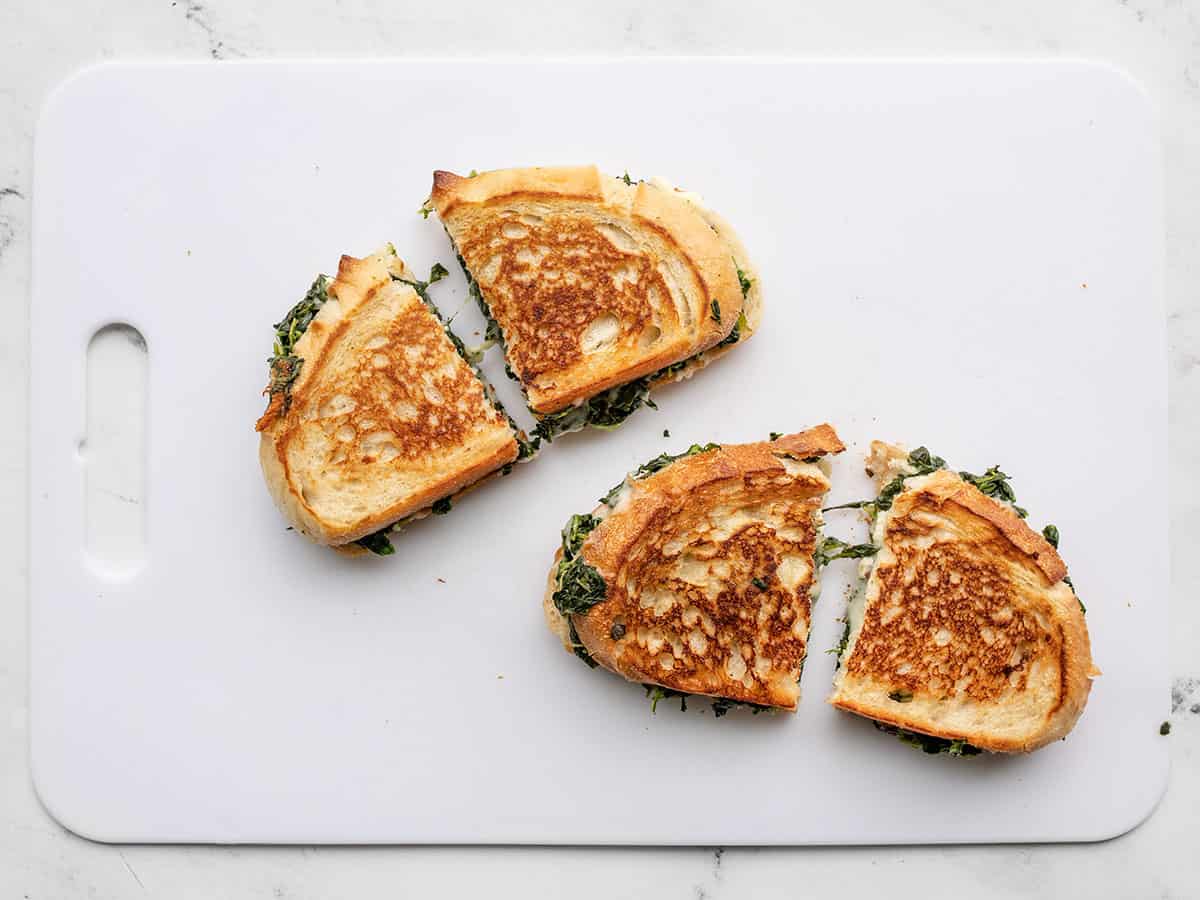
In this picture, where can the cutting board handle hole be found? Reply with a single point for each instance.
(113, 451)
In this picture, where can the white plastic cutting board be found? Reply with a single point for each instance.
(962, 255)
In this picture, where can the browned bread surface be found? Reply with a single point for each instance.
(967, 630)
(594, 282)
(709, 572)
(385, 416)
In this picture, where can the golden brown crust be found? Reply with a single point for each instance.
(709, 570)
(752, 306)
(593, 282)
(575, 182)
(968, 631)
(385, 418)
(820, 440)
(1013, 527)
(949, 485)
(685, 230)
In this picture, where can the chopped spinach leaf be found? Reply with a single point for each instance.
(723, 705)
(900, 696)
(831, 548)
(610, 499)
(577, 646)
(625, 178)
(776, 435)
(733, 337)
(648, 468)
(1050, 533)
(436, 273)
(441, 507)
(579, 586)
(743, 280)
(284, 364)
(378, 543)
(857, 504)
(290, 328)
(929, 744)
(425, 211)
(714, 311)
(841, 644)
(759, 583)
(921, 461)
(925, 462)
(994, 484)
(1164, 729)
(607, 410)
(656, 692)
(660, 462)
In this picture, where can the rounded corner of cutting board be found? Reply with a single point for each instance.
(1141, 807)
(63, 810)
(76, 83)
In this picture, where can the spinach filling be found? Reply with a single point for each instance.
(285, 365)
(830, 548)
(928, 744)
(610, 408)
(378, 542)
(841, 644)
(578, 586)
(720, 705)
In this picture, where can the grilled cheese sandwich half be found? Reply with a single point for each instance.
(696, 574)
(597, 287)
(376, 415)
(968, 634)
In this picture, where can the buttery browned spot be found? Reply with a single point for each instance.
(407, 396)
(686, 596)
(947, 621)
(553, 276)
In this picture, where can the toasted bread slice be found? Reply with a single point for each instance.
(968, 630)
(596, 284)
(696, 573)
(374, 415)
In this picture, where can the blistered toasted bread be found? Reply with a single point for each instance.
(968, 630)
(597, 286)
(696, 573)
(374, 414)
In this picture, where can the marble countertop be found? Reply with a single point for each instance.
(1157, 42)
